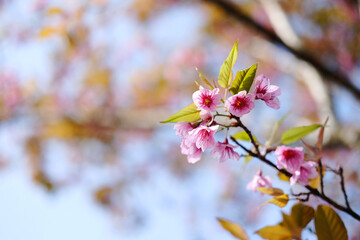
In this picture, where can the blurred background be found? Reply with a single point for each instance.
(84, 85)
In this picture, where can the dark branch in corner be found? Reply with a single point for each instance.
(335, 76)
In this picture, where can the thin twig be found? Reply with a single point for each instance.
(343, 187)
(321, 177)
(298, 195)
(248, 132)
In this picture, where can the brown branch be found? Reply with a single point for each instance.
(321, 177)
(312, 190)
(343, 187)
(333, 75)
(248, 132)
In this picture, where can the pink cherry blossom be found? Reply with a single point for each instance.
(224, 151)
(266, 92)
(183, 128)
(188, 145)
(307, 171)
(240, 104)
(259, 181)
(203, 136)
(289, 158)
(206, 99)
(189, 148)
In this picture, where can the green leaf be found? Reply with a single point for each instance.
(187, 114)
(294, 134)
(204, 79)
(277, 232)
(271, 191)
(225, 75)
(279, 201)
(242, 136)
(235, 229)
(302, 214)
(328, 224)
(243, 80)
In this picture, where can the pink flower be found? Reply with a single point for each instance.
(188, 146)
(183, 128)
(259, 181)
(203, 136)
(224, 151)
(206, 99)
(266, 92)
(307, 171)
(240, 104)
(289, 158)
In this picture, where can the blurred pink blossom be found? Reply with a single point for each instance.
(289, 158)
(183, 128)
(224, 151)
(240, 104)
(266, 92)
(306, 171)
(188, 145)
(259, 181)
(10, 92)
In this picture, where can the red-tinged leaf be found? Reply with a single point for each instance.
(319, 142)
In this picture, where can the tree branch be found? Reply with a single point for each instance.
(343, 187)
(333, 75)
(312, 190)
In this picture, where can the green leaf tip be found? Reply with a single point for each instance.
(187, 114)
(226, 74)
(243, 80)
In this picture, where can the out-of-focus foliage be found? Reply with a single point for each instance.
(112, 70)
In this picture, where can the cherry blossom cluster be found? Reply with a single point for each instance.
(292, 160)
(198, 137)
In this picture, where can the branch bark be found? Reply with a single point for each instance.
(335, 76)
